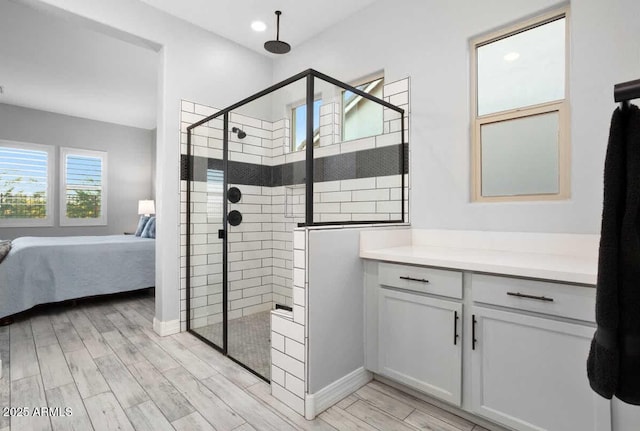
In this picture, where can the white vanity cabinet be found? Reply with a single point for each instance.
(524, 351)
(529, 370)
(419, 334)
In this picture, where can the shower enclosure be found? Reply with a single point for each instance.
(310, 151)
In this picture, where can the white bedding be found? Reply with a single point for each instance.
(40, 270)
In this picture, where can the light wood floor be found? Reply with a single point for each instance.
(104, 362)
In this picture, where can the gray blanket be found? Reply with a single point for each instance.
(42, 270)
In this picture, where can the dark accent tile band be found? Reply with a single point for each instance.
(375, 162)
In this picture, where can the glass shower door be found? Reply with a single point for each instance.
(205, 221)
(250, 277)
(249, 242)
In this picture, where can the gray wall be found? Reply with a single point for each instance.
(336, 310)
(129, 164)
(429, 41)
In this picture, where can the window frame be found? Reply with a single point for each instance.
(48, 221)
(292, 112)
(66, 221)
(560, 106)
(362, 81)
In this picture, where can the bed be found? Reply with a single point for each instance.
(40, 270)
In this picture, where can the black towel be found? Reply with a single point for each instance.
(613, 365)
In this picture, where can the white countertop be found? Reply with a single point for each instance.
(580, 269)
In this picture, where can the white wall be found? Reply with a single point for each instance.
(195, 65)
(129, 164)
(429, 41)
(335, 307)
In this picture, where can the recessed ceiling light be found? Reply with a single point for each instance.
(258, 26)
(512, 56)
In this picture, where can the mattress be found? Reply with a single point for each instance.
(40, 270)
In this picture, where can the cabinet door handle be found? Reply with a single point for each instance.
(473, 332)
(524, 295)
(421, 280)
(455, 328)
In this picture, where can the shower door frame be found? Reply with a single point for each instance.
(222, 234)
(310, 75)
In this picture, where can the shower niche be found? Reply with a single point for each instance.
(250, 177)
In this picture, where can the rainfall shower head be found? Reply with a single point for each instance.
(241, 134)
(277, 46)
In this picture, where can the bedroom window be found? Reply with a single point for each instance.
(83, 197)
(26, 181)
(520, 138)
(362, 117)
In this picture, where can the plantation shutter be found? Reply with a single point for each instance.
(23, 183)
(83, 194)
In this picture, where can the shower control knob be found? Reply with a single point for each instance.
(234, 195)
(234, 218)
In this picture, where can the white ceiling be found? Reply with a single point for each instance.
(300, 19)
(55, 65)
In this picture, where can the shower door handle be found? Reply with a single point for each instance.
(220, 233)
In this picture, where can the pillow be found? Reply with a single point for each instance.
(5, 246)
(141, 224)
(150, 229)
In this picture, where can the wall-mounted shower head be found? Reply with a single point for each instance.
(241, 134)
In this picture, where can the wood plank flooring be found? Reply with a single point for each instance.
(102, 360)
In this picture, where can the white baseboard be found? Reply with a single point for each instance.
(331, 394)
(168, 327)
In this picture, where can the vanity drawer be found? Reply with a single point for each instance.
(574, 302)
(421, 279)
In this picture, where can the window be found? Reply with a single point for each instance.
(362, 117)
(83, 197)
(299, 125)
(26, 181)
(215, 196)
(519, 111)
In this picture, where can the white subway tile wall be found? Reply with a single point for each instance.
(289, 336)
(397, 93)
(260, 257)
(330, 124)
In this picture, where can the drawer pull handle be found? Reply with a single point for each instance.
(421, 280)
(524, 295)
(455, 328)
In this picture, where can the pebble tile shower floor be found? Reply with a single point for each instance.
(249, 340)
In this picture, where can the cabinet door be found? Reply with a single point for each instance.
(529, 373)
(417, 344)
